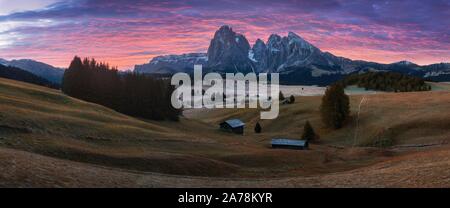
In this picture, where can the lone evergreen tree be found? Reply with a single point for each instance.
(257, 128)
(281, 96)
(335, 107)
(308, 132)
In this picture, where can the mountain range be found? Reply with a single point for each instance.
(37, 68)
(10, 72)
(297, 60)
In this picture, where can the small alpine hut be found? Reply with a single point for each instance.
(233, 125)
(289, 144)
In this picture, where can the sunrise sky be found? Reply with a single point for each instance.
(125, 33)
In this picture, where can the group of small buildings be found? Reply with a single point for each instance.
(237, 126)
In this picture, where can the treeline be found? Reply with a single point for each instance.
(14, 73)
(133, 94)
(386, 81)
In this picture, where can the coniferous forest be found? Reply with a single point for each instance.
(133, 94)
(386, 81)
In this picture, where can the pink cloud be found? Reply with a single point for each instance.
(128, 34)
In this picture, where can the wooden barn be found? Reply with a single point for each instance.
(289, 143)
(233, 125)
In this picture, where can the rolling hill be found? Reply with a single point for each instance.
(48, 139)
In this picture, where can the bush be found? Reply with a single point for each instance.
(291, 99)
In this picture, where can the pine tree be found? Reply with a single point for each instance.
(173, 113)
(281, 96)
(133, 94)
(69, 81)
(308, 132)
(335, 107)
(258, 128)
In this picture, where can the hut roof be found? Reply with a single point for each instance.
(289, 142)
(234, 123)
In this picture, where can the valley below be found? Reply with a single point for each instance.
(48, 139)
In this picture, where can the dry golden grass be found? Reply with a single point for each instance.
(426, 168)
(47, 139)
(402, 118)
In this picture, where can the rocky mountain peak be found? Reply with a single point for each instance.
(405, 63)
(172, 63)
(229, 51)
(259, 43)
(297, 60)
(274, 37)
(274, 40)
(258, 51)
(294, 36)
(299, 41)
(224, 29)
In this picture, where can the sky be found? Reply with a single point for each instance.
(128, 32)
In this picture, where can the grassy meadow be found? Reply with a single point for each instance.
(50, 139)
